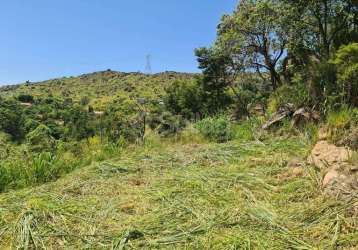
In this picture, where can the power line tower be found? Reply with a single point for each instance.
(148, 66)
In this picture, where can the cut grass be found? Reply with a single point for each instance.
(238, 195)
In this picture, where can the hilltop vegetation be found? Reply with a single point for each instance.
(100, 88)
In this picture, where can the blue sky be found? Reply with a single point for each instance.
(43, 39)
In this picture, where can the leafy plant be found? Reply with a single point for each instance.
(40, 139)
(346, 61)
(218, 129)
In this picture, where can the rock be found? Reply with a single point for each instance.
(142, 101)
(325, 155)
(330, 177)
(341, 185)
(259, 109)
(282, 113)
(340, 178)
(353, 168)
(128, 88)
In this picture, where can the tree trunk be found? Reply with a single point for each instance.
(275, 79)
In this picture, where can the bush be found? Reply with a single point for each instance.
(170, 124)
(11, 118)
(347, 65)
(85, 100)
(25, 98)
(184, 98)
(40, 139)
(296, 94)
(247, 130)
(218, 129)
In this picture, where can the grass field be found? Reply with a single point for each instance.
(174, 195)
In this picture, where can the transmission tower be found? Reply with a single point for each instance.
(148, 66)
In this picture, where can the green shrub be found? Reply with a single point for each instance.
(25, 98)
(218, 129)
(322, 85)
(246, 130)
(40, 139)
(43, 168)
(296, 94)
(170, 124)
(4, 145)
(346, 61)
(184, 98)
(11, 118)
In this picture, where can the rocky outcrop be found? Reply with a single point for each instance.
(326, 155)
(340, 175)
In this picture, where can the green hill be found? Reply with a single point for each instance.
(100, 87)
(259, 151)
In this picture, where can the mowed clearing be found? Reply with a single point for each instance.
(237, 195)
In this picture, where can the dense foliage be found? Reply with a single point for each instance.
(304, 52)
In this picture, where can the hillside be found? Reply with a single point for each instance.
(173, 195)
(100, 87)
(258, 151)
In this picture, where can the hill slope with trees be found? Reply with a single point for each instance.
(257, 152)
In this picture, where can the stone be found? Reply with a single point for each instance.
(341, 177)
(325, 155)
(330, 177)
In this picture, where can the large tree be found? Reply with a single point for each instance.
(256, 34)
(319, 27)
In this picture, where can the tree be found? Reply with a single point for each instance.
(78, 122)
(12, 118)
(25, 98)
(219, 74)
(255, 37)
(184, 98)
(319, 27)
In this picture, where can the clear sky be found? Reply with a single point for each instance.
(43, 39)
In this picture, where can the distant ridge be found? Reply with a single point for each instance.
(100, 87)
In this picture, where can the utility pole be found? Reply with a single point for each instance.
(148, 66)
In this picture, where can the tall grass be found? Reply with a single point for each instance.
(340, 122)
(37, 168)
